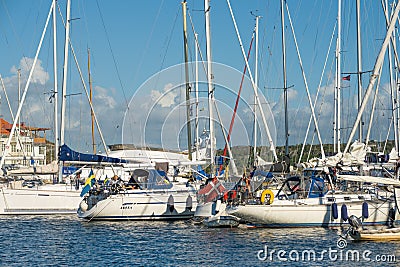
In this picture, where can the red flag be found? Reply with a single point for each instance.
(346, 78)
(211, 191)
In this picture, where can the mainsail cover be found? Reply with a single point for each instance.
(67, 154)
(355, 157)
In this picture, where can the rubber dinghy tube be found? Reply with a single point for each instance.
(335, 213)
(344, 214)
(170, 204)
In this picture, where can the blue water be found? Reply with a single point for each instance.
(69, 241)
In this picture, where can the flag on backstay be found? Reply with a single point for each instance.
(89, 183)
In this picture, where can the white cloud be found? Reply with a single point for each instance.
(166, 98)
(36, 107)
(292, 94)
(38, 111)
(103, 98)
(39, 75)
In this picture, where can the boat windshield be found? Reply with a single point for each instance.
(317, 187)
(290, 187)
(151, 179)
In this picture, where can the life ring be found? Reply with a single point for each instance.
(264, 195)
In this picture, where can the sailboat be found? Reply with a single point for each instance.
(38, 198)
(149, 194)
(313, 198)
(310, 200)
(210, 209)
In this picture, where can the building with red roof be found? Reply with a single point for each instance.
(28, 145)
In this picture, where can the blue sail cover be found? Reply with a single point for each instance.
(67, 154)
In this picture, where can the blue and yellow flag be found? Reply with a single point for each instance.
(89, 183)
(106, 181)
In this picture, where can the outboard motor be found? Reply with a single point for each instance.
(355, 222)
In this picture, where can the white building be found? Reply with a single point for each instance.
(28, 147)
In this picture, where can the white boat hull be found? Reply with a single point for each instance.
(46, 200)
(290, 214)
(143, 205)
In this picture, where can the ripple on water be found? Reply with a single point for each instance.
(69, 241)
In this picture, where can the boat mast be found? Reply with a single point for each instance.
(375, 72)
(371, 118)
(197, 97)
(272, 148)
(12, 132)
(19, 101)
(397, 94)
(306, 85)
(64, 85)
(255, 163)
(185, 44)
(284, 79)
(315, 102)
(337, 113)
(55, 91)
(210, 85)
(7, 99)
(90, 100)
(65, 74)
(359, 69)
(392, 88)
(19, 142)
(395, 109)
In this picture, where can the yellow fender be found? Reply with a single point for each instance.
(264, 194)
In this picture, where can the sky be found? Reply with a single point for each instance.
(136, 48)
